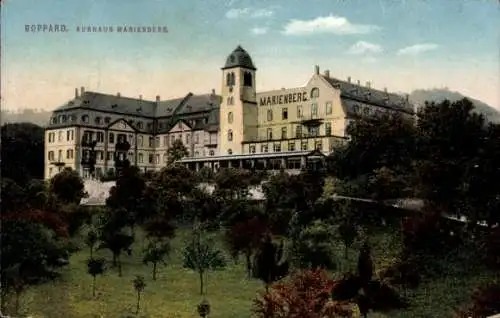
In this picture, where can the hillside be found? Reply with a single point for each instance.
(40, 118)
(419, 97)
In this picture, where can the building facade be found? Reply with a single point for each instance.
(266, 129)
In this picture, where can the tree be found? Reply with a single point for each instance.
(116, 242)
(91, 240)
(22, 152)
(176, 152)
(95, 267)
(270, 263)
(67, 186)
(347, 220)
(314, 247)
(139, 285)
(245, 237)
(365, 265)
(306, 294)
(201, 255)
(155, 253)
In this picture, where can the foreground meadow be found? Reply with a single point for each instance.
(175, 293)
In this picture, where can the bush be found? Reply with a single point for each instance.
(485, 302)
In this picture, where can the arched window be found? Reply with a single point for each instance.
(98, 120)
(247, 79)
(230, 118)
(228, 79)
(107, 120)
(269, 115)
(141, 158)
(230, 151)
(233, 79)
(85, 118)
(315, 92)
(229, 135)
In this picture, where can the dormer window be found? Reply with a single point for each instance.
(98, 120)
(114, 105)
(53, 120)
(107, 120)
(139, 125)
(63, 119)
(85, 118)
(86, 102)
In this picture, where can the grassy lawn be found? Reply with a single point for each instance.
(175, 293)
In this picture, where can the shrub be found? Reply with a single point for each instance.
(485, 302)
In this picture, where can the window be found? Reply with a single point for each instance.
(59, 156)
(98, 120)
(328, 129)
(188, 139)
(229, 135)
(63, 118)
(329, 108)
(230, 151)
(140, 125)
(283, 133)
(269, 115)
(51, 156)
(151, 158)
(230, 79)
(131, 155)
(50, 172)
(131, 139)
(109, 155)
(53, 120)
(299, 111)
(141, 158)
(298, 131)
(139, 141)
(172, 139)
(277, 147)
(269, 133)
(111, 138)
(69, 154)
(85, 118)
(313, 131)
(230, 117)
(72, 135)
(59, 136)
(68, 135)
(211, 153)
(196, 154)
(165, 158)
(263, 148)
(318, 145)
(196, 138)
(284, 114)
(100, 136)
(165, 141)
(230, 100)
(252, 149)
(151, 142)
(314, 109)
(107, 120)
(356, 109)
(291, 146)
(247, 79)
(157, 157)
(303, 145)
(315, 92)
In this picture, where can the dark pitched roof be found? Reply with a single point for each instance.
(239, 58)
(350, 93)
(111, 103)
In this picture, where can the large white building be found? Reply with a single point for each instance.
(243, 127)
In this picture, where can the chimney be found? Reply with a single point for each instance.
(359, 83)
(368, 84)
(348, 79)
(213, 91)
(140, 97)
(316, 69)
(82, 91)
(327, 73)
(118, 94)
(157, 98)
(76, 92)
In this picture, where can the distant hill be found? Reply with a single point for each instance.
(419, 96)
(40, 118)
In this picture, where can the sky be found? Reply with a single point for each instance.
(399, 44)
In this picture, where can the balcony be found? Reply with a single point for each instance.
(311, 120)
(122, 146)
(58, 163)
(88, 161)
(121, 163)
(87, 143)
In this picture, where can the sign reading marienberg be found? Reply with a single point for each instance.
(283, 99)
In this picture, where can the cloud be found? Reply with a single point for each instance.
(329, 24)
(362, 47)
(258, 31)
(417, 49)
(249, 13)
